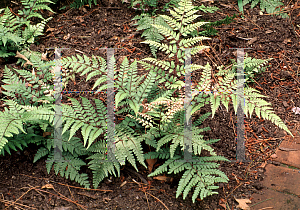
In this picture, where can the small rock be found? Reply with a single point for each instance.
(274, 156)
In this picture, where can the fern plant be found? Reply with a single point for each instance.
(270, 6)
(209, 29)
(153, 113)
(20, 141)
(177, 35)
(24, 88)
(17, 32)
(33, 102)
(161, 125)
(252, 67)
(79, 3)
(165, 119)
(223, 89)
(144, 23)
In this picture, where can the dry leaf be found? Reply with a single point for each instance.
(33, 73)
(19, 55)
(285, 104)
(50, 29)
(163, 178)
(44, 57)
(225, 5)
(121, 59)
(222, 203)
(151, 163)
(287, 149)
(204, 50)
(46, 134)
(48, 186)
(243, 203)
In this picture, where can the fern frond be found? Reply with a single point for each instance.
(179, 25)
(12, 122)
(91, 121)
(145, 22)
(68, 167)
(88, 66)
(101, 168)
(201, 173)
(128, 144)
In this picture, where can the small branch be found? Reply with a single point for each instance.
(137, 174)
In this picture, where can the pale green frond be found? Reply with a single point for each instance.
(172, 23)
(170, 34)
(185, 30)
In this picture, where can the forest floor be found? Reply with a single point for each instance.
(87, 30)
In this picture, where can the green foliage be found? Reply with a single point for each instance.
(171, 3)
(150, 5)
(154, 113)
(84, 65)
(177, 36)
(91, 121)
(132, 88)
(224, 91)
(70, 163)
(30, 88)
(209, 29)
(132, 91)
(225, 88)
(145, 22)
(21, 140)
(25, 88)
(17, 32)
(206, 9)
(270, 6)
(165, 118)
(201, 174)
(252, 67)
(79, 3)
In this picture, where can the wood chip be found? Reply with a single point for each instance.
(252, 40)
(287, 149)
(285, 104)
(125, 182)
(225, 5)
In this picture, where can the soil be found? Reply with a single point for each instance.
(88, 30)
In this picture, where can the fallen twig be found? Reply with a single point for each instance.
(137, 174)
(14, 203)
(66, 184)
